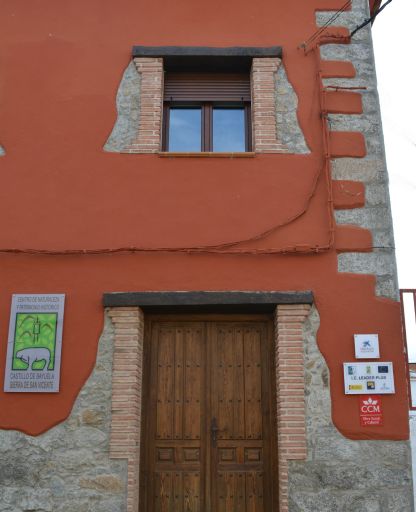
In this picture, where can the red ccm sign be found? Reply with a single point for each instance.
(371, 414)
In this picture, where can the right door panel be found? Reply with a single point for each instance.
(208, 441)
(240, 408)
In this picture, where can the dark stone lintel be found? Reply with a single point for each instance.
(233, 300)
(207, 51)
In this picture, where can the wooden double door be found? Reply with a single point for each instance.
(208, 442)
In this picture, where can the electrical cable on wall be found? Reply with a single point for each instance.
(331, 20)
(222, 248)
(230, 247)
(347, 6)
(370, 19)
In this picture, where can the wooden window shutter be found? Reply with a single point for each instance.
(207, 87)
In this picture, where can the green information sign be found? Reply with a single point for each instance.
(35, 341)
(33, 360)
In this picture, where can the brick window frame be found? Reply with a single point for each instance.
(263, 74)
(263, 105)
(127, 385)
(149, 130)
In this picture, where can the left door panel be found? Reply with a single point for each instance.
(176, 478)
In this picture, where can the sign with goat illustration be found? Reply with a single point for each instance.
(34, 345)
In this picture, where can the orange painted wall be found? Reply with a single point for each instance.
(61, 67)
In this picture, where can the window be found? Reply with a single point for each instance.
(198, 99)
(207, 112)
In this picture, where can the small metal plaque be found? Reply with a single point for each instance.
(366, 346)
(364, 378)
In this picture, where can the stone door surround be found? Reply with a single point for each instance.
(127, 311)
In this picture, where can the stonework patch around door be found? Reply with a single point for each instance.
(127, 392)
(92, 458)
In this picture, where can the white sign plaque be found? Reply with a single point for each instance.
(33, 360)
(368, 378)
(366, 346)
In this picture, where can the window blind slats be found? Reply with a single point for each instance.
(207, 87)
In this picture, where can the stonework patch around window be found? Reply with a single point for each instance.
(263, 107)
(138, 128)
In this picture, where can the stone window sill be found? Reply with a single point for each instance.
(168, 154)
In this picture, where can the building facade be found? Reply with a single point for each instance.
(206, 185)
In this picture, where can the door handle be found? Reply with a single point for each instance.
(214, 430)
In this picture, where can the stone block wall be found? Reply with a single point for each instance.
(370, 170)
(339, 474)
(92, 458)
(288, 128)
(128, 111)
(68, 468)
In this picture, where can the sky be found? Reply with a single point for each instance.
(394, 48)
(393, 39)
